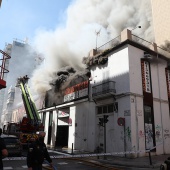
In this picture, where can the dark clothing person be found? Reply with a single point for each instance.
(36, 154)
(3, 152)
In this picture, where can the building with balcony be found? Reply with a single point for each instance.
(128, 89)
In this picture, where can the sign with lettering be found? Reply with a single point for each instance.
(168, 81)
(77, 91)
(146, 81)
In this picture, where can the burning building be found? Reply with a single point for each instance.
(68, 85)
(126, 92)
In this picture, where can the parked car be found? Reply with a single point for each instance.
(13, 145)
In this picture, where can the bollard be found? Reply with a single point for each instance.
(150, 158)
(98, 152)
(72, 149)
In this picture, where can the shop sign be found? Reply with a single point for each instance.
(77, 91)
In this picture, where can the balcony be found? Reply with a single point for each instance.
(103, 90)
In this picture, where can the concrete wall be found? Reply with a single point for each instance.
(46, 127)
(82, 131)
(161, 106)
(160, 102)
(54, 128)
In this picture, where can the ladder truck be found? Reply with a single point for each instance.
(27, 129)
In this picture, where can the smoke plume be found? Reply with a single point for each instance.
(66, 46)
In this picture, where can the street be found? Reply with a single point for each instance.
(19, 163)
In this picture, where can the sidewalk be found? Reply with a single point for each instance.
(140, 162)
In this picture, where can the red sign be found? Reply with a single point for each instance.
(121, 121)
(77, 91)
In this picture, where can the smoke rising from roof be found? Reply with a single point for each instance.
(66, 46)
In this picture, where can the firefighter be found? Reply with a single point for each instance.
(37, 152)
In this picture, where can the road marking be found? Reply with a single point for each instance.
(45, 165)
(61, 153)
(62, 163)
(24, 166)
(8, 168)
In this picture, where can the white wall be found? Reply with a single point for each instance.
(136, 100)
(71, 138)
(46, 127)
(83, 135)
(54, 128)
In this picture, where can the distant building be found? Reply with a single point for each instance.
(22, 63)
(161, 21)
(7, 50)
(0, 2)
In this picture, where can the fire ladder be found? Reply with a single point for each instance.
(3, 69)
(29, 104)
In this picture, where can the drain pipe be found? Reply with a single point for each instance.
(137, 129)
(160, 104)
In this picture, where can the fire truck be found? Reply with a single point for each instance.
(26, 129)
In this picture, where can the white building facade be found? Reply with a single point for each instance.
(129, 84)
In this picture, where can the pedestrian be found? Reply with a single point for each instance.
(37, 152)
(4, 152)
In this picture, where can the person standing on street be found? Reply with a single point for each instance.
(37, 152)
(4, 152)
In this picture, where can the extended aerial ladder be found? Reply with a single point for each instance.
(32, 122)
(25, 129)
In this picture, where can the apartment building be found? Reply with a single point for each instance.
(128, 88)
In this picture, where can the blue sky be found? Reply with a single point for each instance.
(22, 18)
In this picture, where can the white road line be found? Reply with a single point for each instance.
(62, 163)
(24, 166)
(45, 165)
(61, 153)
(8, 168)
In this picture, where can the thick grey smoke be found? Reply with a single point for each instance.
(67, 46)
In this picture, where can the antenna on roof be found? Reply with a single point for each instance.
(97, 34)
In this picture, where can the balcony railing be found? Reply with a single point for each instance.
(104, 89)
(110, 44)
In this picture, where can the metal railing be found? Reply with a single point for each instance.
(141, 41)
(163, 51)
(110, 44)
(107, 87)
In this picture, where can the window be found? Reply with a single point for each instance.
(107, 108)
(100, 111)
(110, 108)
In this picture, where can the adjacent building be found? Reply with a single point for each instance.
(161, 21)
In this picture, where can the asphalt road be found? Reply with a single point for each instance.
(19, 163)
